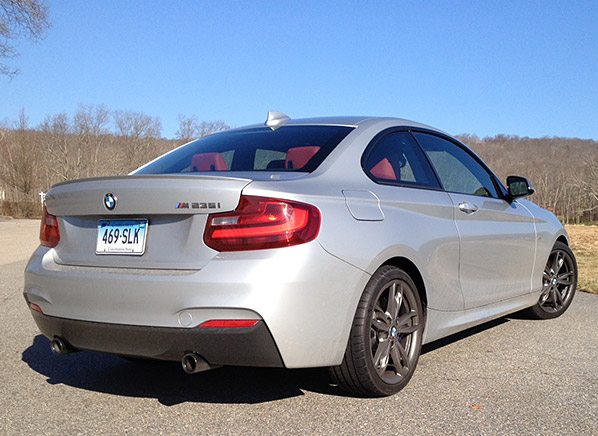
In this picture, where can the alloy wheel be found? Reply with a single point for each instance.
(394, 324)
(558, 280)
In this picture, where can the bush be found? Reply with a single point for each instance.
(21, 209)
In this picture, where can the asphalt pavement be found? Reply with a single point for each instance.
(512, 376)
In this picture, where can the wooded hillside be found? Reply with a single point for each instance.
(99, 142)
(563, 171)
(94, 142)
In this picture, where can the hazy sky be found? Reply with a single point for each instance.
(528, 68)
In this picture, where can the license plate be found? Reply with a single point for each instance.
(121, 236)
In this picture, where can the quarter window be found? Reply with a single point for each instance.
(458, 170)
(397, 159)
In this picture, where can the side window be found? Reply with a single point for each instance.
(397, 159)
(458, 171)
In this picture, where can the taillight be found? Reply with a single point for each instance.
(260, 223)
(49, 235)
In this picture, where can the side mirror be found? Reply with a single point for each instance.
(519, 187)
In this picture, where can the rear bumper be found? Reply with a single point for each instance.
(304, 297)
(251, 346)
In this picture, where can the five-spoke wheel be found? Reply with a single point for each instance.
(558, 283)
(386, 335)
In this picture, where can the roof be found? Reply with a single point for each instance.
(348, 121)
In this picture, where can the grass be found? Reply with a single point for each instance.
(584, 243)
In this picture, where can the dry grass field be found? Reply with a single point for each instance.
(584, 242)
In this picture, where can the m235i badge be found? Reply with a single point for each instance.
(198, 205)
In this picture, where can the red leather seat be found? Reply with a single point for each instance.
(208, 162)
(383, 170)
(297, 157)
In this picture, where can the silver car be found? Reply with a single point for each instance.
(344, 243)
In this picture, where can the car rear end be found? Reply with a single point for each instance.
(180, 259)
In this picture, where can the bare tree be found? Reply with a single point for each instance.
(562, 180)
(190, 128)
(187, 127)
(587, 182)
(66, 155)
(20, 19)
(4, 135)
(138, 132)
(21, 159)
(90, 126)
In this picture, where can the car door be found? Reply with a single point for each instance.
(497, 237)
(417, 213)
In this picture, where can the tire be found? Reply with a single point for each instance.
(559, 281)
(385, 340)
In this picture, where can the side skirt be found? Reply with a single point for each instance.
(441, 324)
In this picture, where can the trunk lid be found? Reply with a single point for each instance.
(176, 208)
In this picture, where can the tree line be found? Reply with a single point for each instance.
(96, 141)
(563, 171)
(93, 142)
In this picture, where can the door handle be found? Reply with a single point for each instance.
(467, 207)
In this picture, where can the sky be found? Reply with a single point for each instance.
(526, 67)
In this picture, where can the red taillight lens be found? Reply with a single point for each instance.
(260, 223)
(49, 235)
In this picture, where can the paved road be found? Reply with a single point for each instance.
(512, 376)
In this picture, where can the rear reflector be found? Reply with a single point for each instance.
(35, 307)
(227, 323)
(49, 235)
(259, 223)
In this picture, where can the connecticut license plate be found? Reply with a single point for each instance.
(121, 236)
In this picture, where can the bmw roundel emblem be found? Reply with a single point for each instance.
(110, 201)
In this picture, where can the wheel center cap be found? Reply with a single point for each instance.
(393, 331)
(553, 281)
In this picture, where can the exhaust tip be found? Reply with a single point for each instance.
(59, 347)
(193, 363)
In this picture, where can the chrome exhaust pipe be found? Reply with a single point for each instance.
(193, 363)
(59, 347)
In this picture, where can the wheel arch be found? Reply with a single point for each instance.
(410, 268)
(562, 239)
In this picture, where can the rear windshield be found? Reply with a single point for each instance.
(288, 148)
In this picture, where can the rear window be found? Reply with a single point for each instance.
(289, 148)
